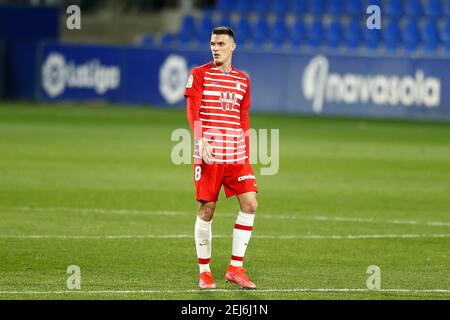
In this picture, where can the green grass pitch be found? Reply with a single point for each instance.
(94, 186)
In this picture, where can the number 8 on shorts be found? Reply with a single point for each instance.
(198, 173)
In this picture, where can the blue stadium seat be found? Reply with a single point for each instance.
(353, 34)
(299, 7)
(224, 20)
(317, 7)
(445, 36)
(168, 39)
(315, 33)
(433, 9)
(447, 8)
(354, 8)
(147, 40)
(243, 30)
(204, 28)
(391, 35)
(372, 38)
(336, 7)
(280, 7)
(430, 35)
(394, 8)
(374, 2)
(414, 8)
(187, 32)
(279, 32)
(260, 32)
(225, 5)
(411, 35)
(262, 7)
(243, 6)
(297, 35)
(334, 34)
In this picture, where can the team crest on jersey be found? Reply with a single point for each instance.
(228, 100)
(238, 85)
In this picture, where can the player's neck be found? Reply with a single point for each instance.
(225, 68)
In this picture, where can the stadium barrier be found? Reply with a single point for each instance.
(24, 28)
(2, 68)
(306, 83)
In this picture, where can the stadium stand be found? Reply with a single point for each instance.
(280, 7)
(352, 34)
(299, 7)
(354, 7)
(279, 32)
(315, 33)
(336, 7)
(411, 35)
(445, 36)
(317, 7)
(394, 8)
(372, 39)
(205, 25)
(447, 8)
(334, 34)
(392, 34)
(414, 8)
(260, 32)
(430, 35)
(408, 26)
(297, 36)
(433, 9)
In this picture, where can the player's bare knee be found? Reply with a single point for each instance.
(206, 211)
(250, 207)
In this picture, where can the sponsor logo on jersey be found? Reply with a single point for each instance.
(320, 86)
(228, 100)
(247, 177)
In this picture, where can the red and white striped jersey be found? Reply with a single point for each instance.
(223, 97)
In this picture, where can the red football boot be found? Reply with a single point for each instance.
(238, 275)
(206, 281)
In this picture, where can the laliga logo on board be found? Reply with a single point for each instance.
(57, 74)
(319, 86)
(172, 78)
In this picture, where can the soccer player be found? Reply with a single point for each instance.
(218, 99)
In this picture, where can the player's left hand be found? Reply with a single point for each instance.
(205, 150)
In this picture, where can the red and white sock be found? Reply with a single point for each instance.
(241, 237)
(203, 238)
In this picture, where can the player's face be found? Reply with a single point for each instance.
(222, 47)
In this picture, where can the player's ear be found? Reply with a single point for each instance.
(233, 46)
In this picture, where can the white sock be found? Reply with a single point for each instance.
(241, 237)
(203, 238)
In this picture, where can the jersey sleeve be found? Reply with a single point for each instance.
(246, 99)
(194, 84)
(193, 115)
(245, 119)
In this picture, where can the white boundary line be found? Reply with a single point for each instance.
(99, 210)
(230, 290)
(292, 215)
(275, 237)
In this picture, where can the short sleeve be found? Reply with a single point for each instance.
(246, 100)
(194, 84)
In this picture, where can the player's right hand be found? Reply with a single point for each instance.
(205, 150)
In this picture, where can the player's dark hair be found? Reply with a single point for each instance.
(224, 30)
